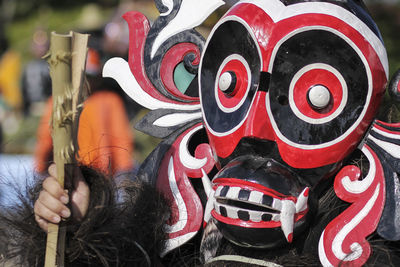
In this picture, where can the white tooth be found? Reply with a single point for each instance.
(287, 218)
(255, 216)
(210, 196)
(209, 206)
(217, 207)
(233, 193)
(256, 197)
(276, 217)
(218, 191)
(301, 203)
(231, 212)
(206, 184)
(277, 204)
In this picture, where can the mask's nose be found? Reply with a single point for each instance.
(259, 124)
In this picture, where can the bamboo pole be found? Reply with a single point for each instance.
(67, 65)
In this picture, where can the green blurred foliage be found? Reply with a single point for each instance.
(22, 8)
(61, 20)
(387, 17)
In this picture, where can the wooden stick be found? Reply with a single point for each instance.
(66, 69)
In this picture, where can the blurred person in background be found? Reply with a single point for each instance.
(35, 81)
(10, 94)
(10, 66)
(105, 138)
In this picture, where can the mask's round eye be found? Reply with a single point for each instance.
(233, 83)
(319, 97)
(317, 93)
(229, 76)
(227, 82)
(320, 87)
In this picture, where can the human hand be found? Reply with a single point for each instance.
(52, 201)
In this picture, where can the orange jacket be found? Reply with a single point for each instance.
(105, 138)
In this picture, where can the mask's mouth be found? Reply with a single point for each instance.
(258, 197)
(250, 205)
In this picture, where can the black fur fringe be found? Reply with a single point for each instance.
(123, 227)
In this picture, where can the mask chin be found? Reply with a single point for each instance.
(260, 202)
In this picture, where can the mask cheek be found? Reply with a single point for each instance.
(300, 157)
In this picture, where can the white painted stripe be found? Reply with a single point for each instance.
(386, 134)
(184, 155)
(392, 149)
(180, 203)
(118, 69)
(321, 252)
(340, 237)
(173, 243)
(360, 186)
(190, 15)
(176, 119)
(169, 4)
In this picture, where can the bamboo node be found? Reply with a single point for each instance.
(64, 57)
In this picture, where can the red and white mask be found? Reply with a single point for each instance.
(294, 88)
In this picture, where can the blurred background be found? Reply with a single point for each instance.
(25, 85)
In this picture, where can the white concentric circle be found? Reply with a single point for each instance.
(216, 86)
(298, 75)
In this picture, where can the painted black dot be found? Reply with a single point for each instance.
(266, 217)
(223, 212)
(224, 191)
(267, 200)
(244, 194)
(243, 215)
